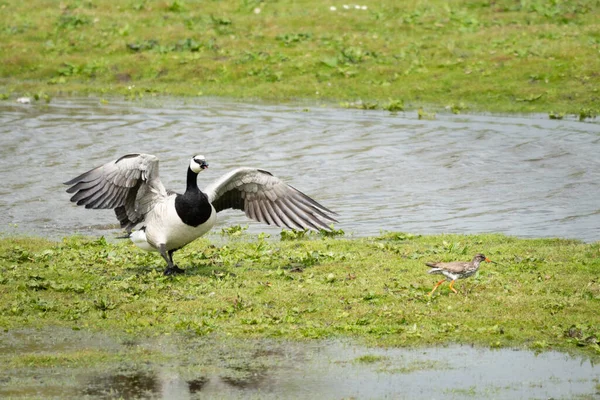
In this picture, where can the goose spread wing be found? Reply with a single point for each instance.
(130, 185)
(266, 198)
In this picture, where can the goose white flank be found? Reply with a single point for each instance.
(165, 221)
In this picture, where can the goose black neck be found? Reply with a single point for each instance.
(192, 181)
(192, 207)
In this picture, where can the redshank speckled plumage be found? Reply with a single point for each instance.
(455, 270)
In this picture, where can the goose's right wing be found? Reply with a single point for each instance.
(266, 198)
(130, 185)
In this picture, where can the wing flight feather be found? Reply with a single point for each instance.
(130, 185)
(266, 198)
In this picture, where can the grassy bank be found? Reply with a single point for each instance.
(544, 295)
(518, 56)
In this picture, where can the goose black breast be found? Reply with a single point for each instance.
(193, 208)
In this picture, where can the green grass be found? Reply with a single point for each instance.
(544, 295)
(506, 55)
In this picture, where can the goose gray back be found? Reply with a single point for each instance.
(167, 221)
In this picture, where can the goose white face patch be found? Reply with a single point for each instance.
(197, 163)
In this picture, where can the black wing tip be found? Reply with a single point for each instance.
(324, 224)
(82, 177)
(322, 207)
(126, 156)
(75, 180)
(313, 201)
(264, 171)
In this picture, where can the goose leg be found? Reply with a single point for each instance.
(174, 267)
(168, 256)
(436, 286)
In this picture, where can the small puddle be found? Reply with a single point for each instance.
(41, 364)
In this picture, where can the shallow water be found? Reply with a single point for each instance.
(524, 176)
(188, 368)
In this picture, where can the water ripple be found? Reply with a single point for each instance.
(525, 176)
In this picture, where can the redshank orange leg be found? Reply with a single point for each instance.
(451, 286)
(436, 286)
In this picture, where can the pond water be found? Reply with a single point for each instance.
(181, 367)
(527, 176)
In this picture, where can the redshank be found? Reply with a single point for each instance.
(455, 270)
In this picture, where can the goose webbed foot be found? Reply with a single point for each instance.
(174, 270)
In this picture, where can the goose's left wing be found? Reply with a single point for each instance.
(266, 198)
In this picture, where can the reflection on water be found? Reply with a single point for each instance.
(123, 385)
(136, 384)
(524, 176)
(196, 385)
(178, 367)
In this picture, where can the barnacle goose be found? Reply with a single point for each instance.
(168, 220)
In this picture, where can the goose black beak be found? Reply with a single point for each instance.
(204, 165)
